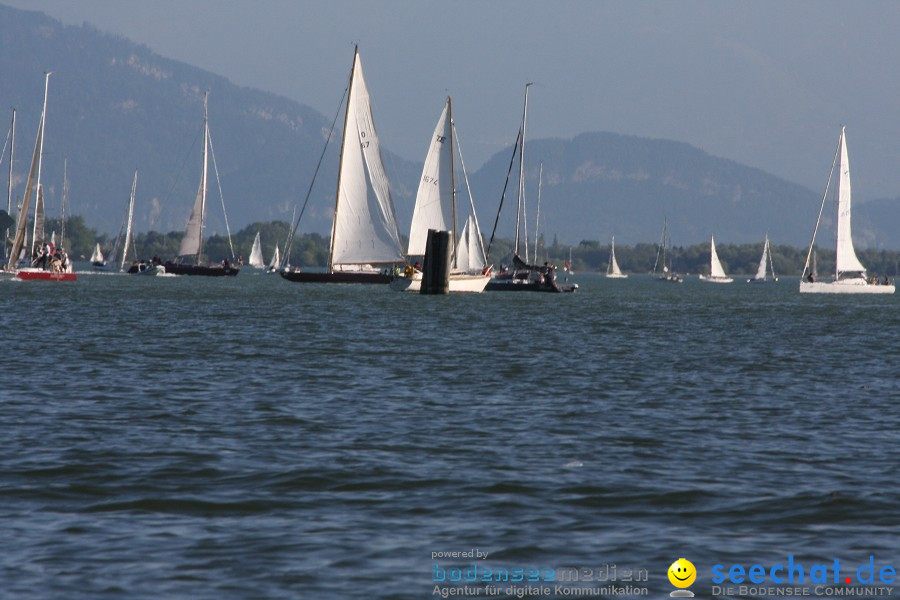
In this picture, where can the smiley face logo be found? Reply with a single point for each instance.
(682, 573)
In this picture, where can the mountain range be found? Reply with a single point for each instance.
(115, 106)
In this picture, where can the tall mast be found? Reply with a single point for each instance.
(337, 196)
(65, 201)
(205, 172)
(40, 153)
(452, 176)
(520, 212)
(537, 217)
(128, 226)
(12, 147)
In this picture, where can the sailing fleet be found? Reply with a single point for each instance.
(365, 241)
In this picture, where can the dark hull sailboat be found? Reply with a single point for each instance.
(336, 277)
(202, 270)
(529, 278)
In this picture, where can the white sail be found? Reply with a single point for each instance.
(37, 236)
(365, 229)
(192, 241)
(761, 269)
(434, 199)
(468, 250)
(715, 266)
(20, 245)
(613, 264)
(256, 256)
(276, 259)
(850, 274)
(846, 260)
(129, 221)
(97, 254)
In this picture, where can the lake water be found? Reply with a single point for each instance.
(255, 438)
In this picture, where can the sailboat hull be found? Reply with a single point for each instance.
(616, 276)
(717, 279)
(201, 270)
(847, 286)
(41, 275)
(459, 283)
(336, 277)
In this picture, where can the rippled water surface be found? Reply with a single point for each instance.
(255, 438)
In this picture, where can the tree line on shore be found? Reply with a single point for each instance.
(312, 249)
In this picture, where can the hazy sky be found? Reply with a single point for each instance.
(766, 83)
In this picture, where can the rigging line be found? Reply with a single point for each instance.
(180, 172)
(293, 232)
(821, 208)
(221, 194)
(462, 164)
(512, 160)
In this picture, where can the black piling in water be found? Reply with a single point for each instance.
(436, 271)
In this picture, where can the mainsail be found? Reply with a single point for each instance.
(33, 174)
(365, 229)
(276, 259)
(613, 264)
(761, 269)
(846, 260)
(192, 242)
(434, 199)
(256, 256)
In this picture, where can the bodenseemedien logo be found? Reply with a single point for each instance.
(682, 574)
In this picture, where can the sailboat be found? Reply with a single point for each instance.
(523, 277)
(137, 267)
(256, 255)
(661, 270)
(191, 251)
(716, 272)
(276, 260)
(97, 259)
(33, 186)
(612, 270)
(849, 273)
(765, 265)
(436, 209)
(364, 230)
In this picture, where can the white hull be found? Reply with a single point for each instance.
(459, 283)
(847, 286)
(616, 276)
(762, 280)
(716, 279)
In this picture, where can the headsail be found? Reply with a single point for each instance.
(761, 269)
(365, 228)
(715, 266)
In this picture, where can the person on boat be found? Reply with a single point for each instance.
(240, 261)
(417, 266)
(886, 281)
(226, 264)
(811, 278)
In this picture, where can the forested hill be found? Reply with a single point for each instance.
(116, 106)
